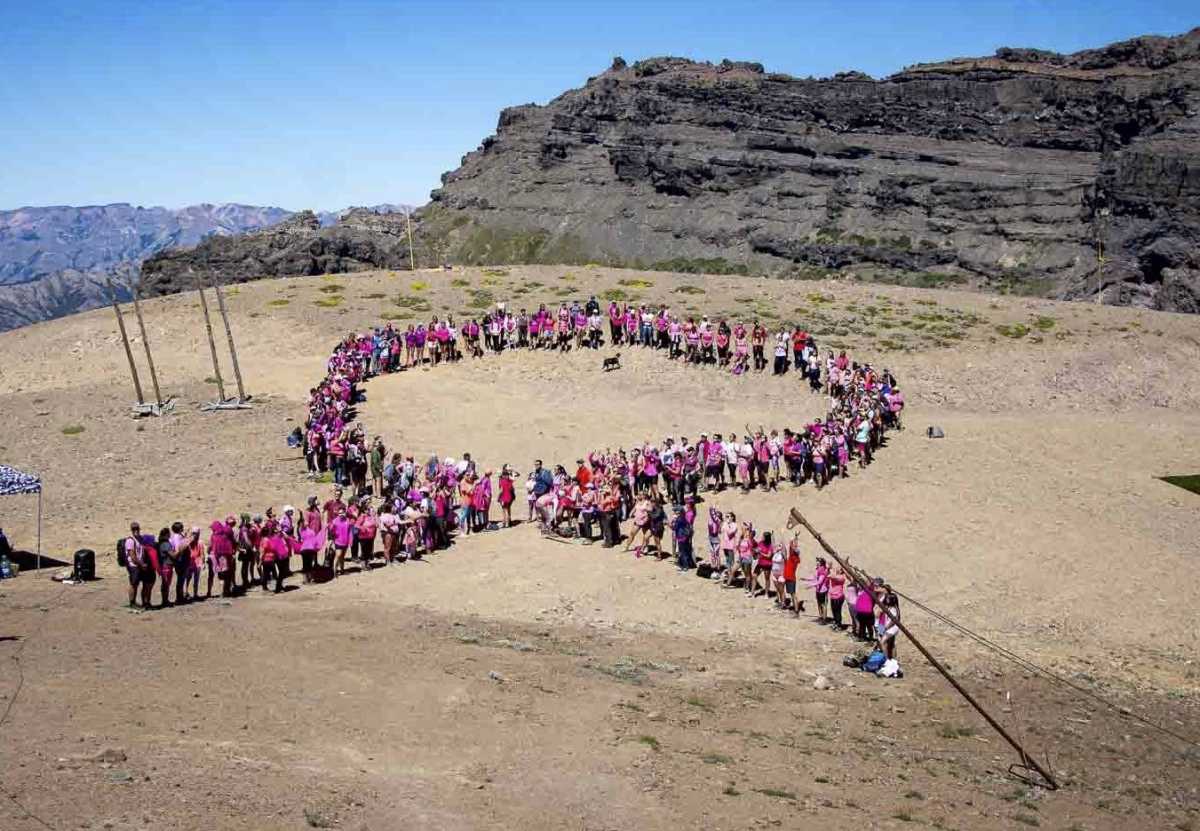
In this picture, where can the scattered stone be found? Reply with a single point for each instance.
(822, 683)
(495, 676)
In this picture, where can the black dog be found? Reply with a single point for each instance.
(612, 363)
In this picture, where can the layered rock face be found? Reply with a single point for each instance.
(361, 239)
(1029, 171)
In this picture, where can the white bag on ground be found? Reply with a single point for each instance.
(890, 669)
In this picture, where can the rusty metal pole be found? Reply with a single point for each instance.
(137, 310)
(1027, 761)
(237, 372)
(212, 346)
(137, 383)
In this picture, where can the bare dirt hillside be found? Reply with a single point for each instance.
(516, 681)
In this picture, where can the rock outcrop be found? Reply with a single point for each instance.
(361, 239)
(1017, 172)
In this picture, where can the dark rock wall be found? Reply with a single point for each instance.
(1011, 172)
(360, 240)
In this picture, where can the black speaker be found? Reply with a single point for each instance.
(85, 564)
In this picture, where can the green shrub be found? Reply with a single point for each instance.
(279, 302)
(332, 288)
(1014, 331)
(460, 283)
(686, 289)
(409, 301)
(634, 283)
(331, 302)
(72, 430)
(1044, 324)
(481, 299)
(418, 285)
(700, 265)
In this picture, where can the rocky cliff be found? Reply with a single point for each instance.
(1027, 171)
(360, 239)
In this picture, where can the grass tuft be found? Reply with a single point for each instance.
(332, 288)
(776, 792)
(72, 430)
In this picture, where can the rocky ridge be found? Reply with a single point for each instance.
(1016, 172)
(1028, 171)
(360, 239)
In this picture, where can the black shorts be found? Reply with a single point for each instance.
(821, 596)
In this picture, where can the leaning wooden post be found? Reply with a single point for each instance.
(137, 383)
(860, 580)
(137, 309)
(412, 261)
(212, 345)
(237, 372)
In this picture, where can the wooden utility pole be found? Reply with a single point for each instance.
(860, 581)
(137, 309)
(237, 372)
(412, 261)
(1103, 213)
(212, 345)
(137, 383)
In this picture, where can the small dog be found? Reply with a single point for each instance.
(612, 363)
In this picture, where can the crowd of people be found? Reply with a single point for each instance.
(388, 506)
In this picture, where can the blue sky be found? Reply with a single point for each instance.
(326, 104)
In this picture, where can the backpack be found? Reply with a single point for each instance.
(122, 558)
(874, 661)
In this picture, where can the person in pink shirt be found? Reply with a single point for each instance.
(341, 529)
(366, 525)
(837, 596)
(820, 584)
(481, 502)
(274, 553)
(864, 618)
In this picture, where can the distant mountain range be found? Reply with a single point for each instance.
(54, 260)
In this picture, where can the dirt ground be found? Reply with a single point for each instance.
(513, 680)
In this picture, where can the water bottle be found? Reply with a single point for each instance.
(5, 567)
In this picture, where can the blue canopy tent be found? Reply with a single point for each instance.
(14, 482)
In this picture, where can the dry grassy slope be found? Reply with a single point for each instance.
(631, 697)
(1042, 497)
